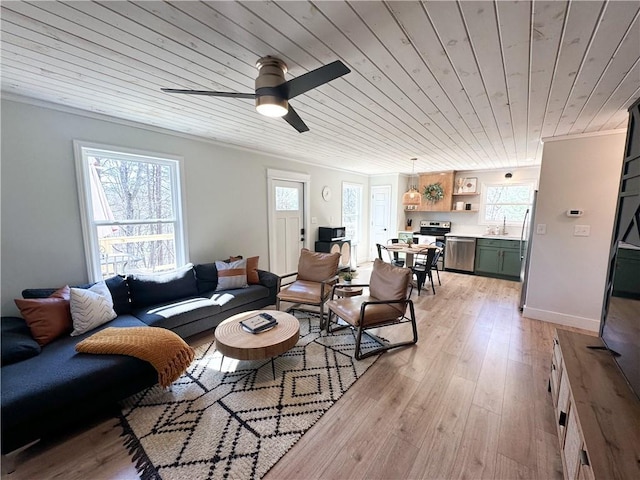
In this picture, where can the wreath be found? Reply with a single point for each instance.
(433, 192)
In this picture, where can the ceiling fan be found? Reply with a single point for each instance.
(272, 93)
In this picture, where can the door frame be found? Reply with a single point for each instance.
(303, 178)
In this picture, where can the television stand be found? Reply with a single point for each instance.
(597, 413)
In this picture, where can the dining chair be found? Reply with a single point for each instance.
(436, 259)
(396, 256)
(422, 267)
(381, 248)
(385, 305)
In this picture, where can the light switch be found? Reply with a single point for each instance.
(541, 229)
(314, 220)
(581, 230)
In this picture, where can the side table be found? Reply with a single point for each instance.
(348, 291)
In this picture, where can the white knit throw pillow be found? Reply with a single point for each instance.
(91, 307)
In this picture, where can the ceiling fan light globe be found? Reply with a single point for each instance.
(272, 106)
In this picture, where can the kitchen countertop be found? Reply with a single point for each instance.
(480, 235)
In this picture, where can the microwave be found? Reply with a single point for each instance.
(329, 234)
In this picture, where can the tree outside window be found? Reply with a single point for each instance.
(132, 213)
(352, 210)
(506, 203)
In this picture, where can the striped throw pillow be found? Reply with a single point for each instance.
(231, 275)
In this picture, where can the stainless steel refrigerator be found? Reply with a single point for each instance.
(526, 238)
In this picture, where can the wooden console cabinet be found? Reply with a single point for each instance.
(597, 414)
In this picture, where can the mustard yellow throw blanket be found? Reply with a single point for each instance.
(162, 348)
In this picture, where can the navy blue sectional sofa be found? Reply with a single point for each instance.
(45, 390)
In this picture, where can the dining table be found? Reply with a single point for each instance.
(410, 250)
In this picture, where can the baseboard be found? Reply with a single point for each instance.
(562, 319)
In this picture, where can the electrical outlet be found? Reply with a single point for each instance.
(581, 230)
(541, 229)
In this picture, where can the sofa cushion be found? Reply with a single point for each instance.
(231, 299)
(173, 314)
(149, 290)
(231, 275)
(65, 376)
(47, 318)
(91, 308)
(16, 340)
(206, 277)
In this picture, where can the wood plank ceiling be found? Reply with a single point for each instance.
(460, 85)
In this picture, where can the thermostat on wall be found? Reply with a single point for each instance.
(575, 213)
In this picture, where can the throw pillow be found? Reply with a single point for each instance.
(162, 288)
(16, 341)
(316, 266)
(47, 318)
(91, 308)
(252, 269)
(231, 275)
(206, 277)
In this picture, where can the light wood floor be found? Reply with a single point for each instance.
(469, 401)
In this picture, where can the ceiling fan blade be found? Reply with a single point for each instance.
(295, 121)
(210, 93)
(316, 77)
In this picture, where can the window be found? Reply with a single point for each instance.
(287, 198)
(352, 210)
(131, 211)
(506, 203)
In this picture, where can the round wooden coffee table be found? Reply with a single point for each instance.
(235, 342)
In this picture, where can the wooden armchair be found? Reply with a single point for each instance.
(386, 304)
(317, 273)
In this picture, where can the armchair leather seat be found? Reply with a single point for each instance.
(349, 310)
(317, 273)
(386, 305)
(302, 291)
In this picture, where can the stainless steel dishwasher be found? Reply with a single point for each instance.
(460, 253)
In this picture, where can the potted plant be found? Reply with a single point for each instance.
(347, 277)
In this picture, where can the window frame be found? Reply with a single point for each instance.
(482, 220)
(360, 187)
(84, 149)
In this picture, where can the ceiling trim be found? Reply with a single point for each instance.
(583, 135)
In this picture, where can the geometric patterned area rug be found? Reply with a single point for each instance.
(231, 419)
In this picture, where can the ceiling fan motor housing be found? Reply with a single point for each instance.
(271, 72)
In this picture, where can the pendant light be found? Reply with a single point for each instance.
(412, 198)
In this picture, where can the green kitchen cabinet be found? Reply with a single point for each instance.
(626, 282)
(498, 258)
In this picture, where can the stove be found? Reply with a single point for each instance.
(433, 232)
(434, 229)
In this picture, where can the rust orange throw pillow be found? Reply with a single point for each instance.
(47, 318)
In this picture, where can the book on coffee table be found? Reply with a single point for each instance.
(258, 323)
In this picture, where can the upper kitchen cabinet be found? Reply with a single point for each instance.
(445, 182)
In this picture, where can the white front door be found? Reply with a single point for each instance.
(287, 213)
(380, 217)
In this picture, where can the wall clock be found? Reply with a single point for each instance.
(326, 193)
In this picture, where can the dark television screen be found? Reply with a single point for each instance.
(621, 329)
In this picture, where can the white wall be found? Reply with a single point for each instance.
(41, 232)
(568, 273)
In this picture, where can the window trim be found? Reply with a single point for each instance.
(485, 190)
(90, 240)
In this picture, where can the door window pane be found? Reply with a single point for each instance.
(287, 198)
(352, 210)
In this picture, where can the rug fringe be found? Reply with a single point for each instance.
(143, 465)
